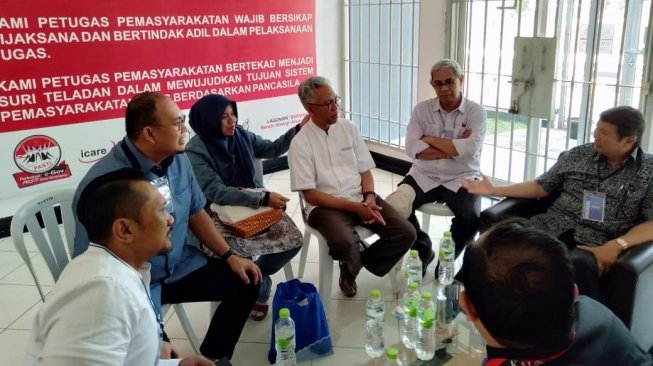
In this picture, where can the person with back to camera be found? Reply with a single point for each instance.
(100, 311)
(222, 154)
(520, 294)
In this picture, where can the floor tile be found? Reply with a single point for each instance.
(7, 245)
(13, 344)
(26, 320)
(22, 275)
(15, 301)
(347, 323)
(348, 356)
(9, 262)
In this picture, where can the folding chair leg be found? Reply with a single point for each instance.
(326, 272)
(188, 328)
(287, 269)
(426, 222)
(304, 253)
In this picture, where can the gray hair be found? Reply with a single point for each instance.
(306, 90)
(446, 63)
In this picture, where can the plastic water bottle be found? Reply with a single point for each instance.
(375, 310)
(413, 269)
(409, 324)
(392, 357)
(442, 313)
(284, 335)
(425, 345)
(447, 250)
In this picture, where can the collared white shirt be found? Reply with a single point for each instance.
(429, 119)
(99, 313)
(329, 162)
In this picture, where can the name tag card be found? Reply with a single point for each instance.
(161, 185)
(593, 206)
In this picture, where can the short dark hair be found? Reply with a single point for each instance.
(628, 121)
(107, 198)
(141, 112)
(521, 283)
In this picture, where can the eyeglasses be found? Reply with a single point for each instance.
(331, 103)
(179, 121)
(440, 84)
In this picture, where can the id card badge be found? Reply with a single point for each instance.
(593, 206)
(447, 134)
(161, 185)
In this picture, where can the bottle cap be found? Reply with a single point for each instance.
(284, 313)
(426, 295)
(446, 234)
(375, 294)
(413, 286)
(413, 253)
(392, 353)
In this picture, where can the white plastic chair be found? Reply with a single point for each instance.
(326, 262)
(433, 209)
(53, 248)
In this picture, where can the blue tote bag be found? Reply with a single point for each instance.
(312, 338)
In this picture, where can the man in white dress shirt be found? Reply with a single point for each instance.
(100, 311)
(331, 166)
(444, 139)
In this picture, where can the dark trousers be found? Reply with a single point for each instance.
(586, 269)
(465, 207)
(337, 227)
(216, 282)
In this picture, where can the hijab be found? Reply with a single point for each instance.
(231, 154)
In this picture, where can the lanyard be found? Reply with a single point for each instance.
(157, 314)
(598, 171)
(530, 362)
(444, 124)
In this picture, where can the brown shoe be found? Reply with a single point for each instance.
(347, 281)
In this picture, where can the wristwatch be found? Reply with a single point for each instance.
(368, 192)
(622, 243)
(226, 255)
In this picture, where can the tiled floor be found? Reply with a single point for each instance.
(19, 299)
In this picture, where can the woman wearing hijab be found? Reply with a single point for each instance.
(223, 154)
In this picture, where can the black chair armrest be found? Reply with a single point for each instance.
(624, 279)
(511, 207)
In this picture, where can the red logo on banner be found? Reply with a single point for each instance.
(38, 157)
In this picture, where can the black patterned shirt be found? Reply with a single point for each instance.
(628, 189)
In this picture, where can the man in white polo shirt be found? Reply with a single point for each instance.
(331, 167)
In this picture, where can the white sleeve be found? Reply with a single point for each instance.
(468, 147)
(365, 161)
(301, 164)
(93, 328)
(414, 133)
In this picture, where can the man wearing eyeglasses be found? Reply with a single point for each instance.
(444, 139)
(331, 166)
(155, 141)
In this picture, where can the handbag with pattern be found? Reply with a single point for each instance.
(245, 221)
